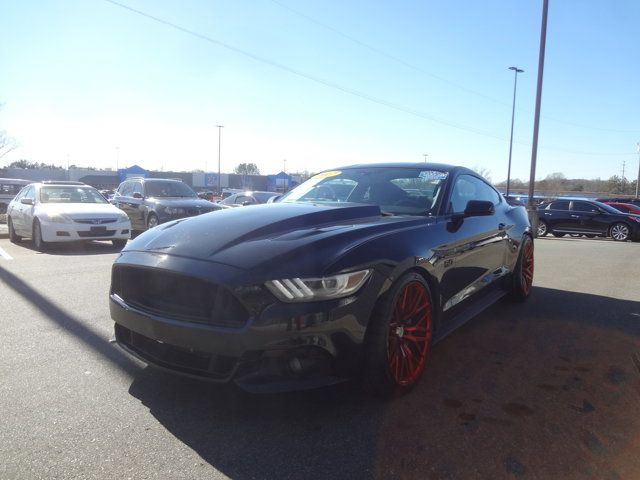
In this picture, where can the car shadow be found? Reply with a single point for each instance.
(96, 247)
(546, 389)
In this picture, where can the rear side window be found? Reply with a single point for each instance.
(559, 205)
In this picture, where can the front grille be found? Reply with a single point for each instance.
(178, 297)
(97, 233)
(95, 221)
(177, 358)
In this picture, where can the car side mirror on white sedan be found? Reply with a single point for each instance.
(26, 201)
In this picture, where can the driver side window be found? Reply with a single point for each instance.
(467, 188)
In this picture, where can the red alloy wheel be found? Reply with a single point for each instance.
(410, 333)
(527, 266)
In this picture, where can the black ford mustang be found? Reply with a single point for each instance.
(357, 271)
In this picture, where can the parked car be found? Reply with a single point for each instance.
(308, 292)
(151, 201)
(634, 201)
(9, 188)
(625, 207)
(585, 217)
(50, 212)
(108, 194)
(247, 198)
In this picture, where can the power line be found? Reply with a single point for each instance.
(430, 74)
(330, 84)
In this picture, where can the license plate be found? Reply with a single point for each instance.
(98, 229)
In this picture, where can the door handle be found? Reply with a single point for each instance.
(575, 216)
(547, 213)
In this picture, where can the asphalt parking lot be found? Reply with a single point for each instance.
(549, 389)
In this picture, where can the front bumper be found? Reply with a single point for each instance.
(73, 232)
(281, 347)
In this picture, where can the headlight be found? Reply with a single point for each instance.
(314, 289)
(173, 211)
(123, 217)
(56, 218)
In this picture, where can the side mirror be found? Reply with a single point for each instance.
(244, 204)
(479, 208)
(26, 201)
(137, 195)
(274, 199)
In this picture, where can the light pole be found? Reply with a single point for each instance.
(638, 179)
(516, 71)
(425, 157)
(536, 119)
(220, 127)
(117, 158)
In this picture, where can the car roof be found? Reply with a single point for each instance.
(425, 166)
(144, 179)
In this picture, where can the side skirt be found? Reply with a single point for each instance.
(468, 313)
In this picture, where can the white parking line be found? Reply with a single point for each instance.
(5, 255)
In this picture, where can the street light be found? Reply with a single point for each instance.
(220, 127)
(425, 157)
(638, 180)
(516, 71)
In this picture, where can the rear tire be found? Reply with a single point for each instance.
(620, 232)
(13, 236)
(543, 229)
(399, 335)
(38, 243)
(523, 273)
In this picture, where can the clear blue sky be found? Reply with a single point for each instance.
(81, 80)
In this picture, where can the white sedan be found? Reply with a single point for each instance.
(64, 212)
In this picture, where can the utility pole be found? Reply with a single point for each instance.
(536, 123)
(624, 162)
(220, 127)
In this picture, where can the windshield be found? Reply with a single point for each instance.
(399, 191)
(168, 189)
(70, 195)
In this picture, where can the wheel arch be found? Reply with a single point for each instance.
(623, 222)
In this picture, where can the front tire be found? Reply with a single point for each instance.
(399, 337)
(543, 229)
(523, 273)
(152, 221)
(119, 243)
(13, 236)
(38, 242)
(619, 232)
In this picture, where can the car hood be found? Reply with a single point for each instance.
(267, 238)
(80, 210)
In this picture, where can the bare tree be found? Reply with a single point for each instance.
(247, 169)
(483, 172)
(7, 143)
